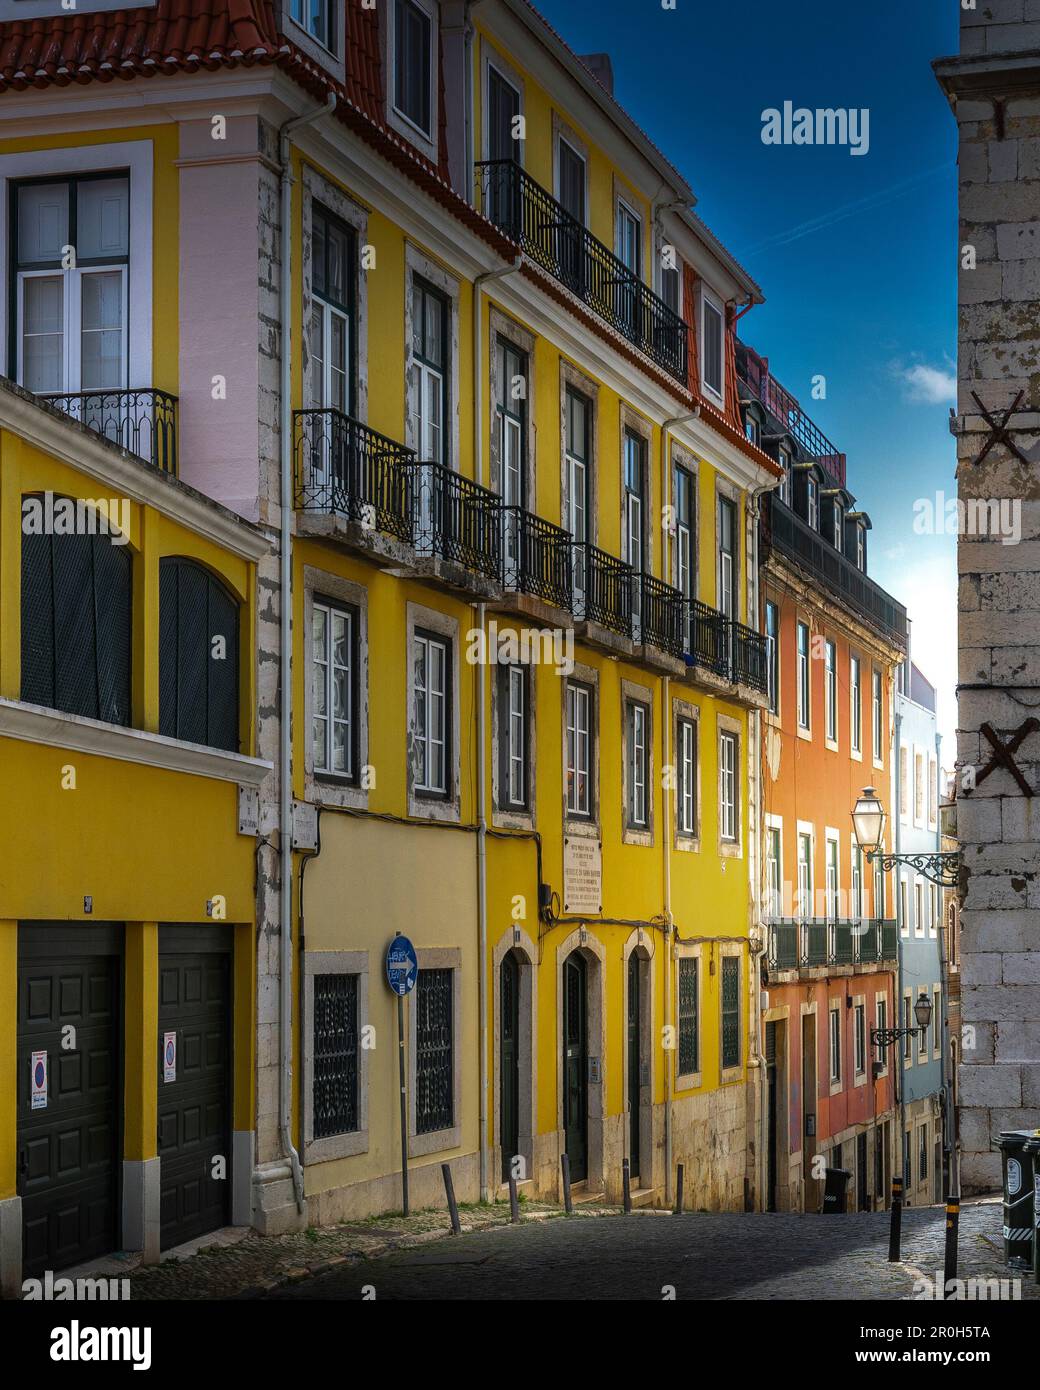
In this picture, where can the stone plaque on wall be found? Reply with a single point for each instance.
(582, 875)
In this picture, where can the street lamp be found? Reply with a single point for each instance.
(885, 1037)
(868, 823)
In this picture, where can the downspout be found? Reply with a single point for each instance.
(285, 799)
(667, 838)
(944, 984)
(898, 1070)
(480, 681)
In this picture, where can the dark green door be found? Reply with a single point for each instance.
(510, 1055)
(575, 1066)
(773, 1101)
(633, 1065)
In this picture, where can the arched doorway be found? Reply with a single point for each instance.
(509, 1060)
(575, 1064)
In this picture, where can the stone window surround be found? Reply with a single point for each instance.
(693, 1080)
(419, 265)
(854, 752)
(638, 945)
(515, 939)
(772, 821)
(908, 1013)
(682, 458)
(585, 940)
(937, 1030)
(439, 1140)
(492, 57)
(510, 817)
(318, 189)
(859, 1078)
(425, 144)
(503, 327)
(634, 694)
(881, 996)
(832, 743)
(326, 789)
(571, 376)
(879, 763)
(582, 825)
(442, 625)
(836, 1005)
(724, 488)
(561, 130)
(774, 719)
(724, 723)
(687, 844)
(356, 1142)
(731, 1075)
(631, 422)
(804, 618)
(831, 836)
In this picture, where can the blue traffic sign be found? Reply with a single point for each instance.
(402, 965)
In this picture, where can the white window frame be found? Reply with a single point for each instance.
(805, 906)
(72, 325)
(904, 905)
(623, 208)
(784, 490)
(832, 874)
(812, 502)
(729, 786)
(831, 692)
(937, 1021)
(856, 705)
(331, 12)
(637, 758)
(323, 606)
(516, 743)
(773, 658)
(426, 642)
(877, 710)
(804, 676)
(578, 721)
(857, 897)
(834, 1045)
(774, 860)
(859, 1036)
(426, 139)
(709, 300)
(880, 1022)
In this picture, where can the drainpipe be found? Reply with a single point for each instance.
(898, 1071)
(285, 800)
(943, 1022)
(480, 680)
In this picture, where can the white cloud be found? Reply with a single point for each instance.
(926, 385)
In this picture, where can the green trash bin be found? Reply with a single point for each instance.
(1032, 1147)
(1018, 1197)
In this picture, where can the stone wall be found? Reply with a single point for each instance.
(994, 88)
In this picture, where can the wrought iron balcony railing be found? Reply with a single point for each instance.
(796, 944)
(659, 614)
(785, 409)
(708, 638)
(456, 519)
(795, 538)
(143, 422)
(561, 245)
(344, 467)
(601, 588)
(750, 658)
(536, 557)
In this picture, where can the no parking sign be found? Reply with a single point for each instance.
(169, 1057)
(38, 1068)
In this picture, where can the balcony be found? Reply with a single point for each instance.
(536, 557)
(455, 519)
(795, 538)
(343, 468)
(562, 246)
(142, 422)
(708, 644)
(789, 414)
(817, 943)
(750, 658)
(658, 617)
(602, 588)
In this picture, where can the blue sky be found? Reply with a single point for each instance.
(856, 255)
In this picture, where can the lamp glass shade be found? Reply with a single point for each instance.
(868, 820)
(923, 1011)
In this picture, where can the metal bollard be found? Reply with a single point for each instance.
(895, 1229)
(565, 1165)
(514, 1200)
(626, 1185)
(953, 1220)
(678, 1191)
(449, 1189)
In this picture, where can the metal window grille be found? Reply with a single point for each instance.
(730, 1011)
(434, 1051)
(335, 1087)
(688, 1020)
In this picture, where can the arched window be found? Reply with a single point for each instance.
(198, 656)
(76, 626)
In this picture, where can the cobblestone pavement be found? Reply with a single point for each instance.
(595, 1254)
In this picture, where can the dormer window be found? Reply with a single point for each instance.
(861, 548)
(412, 65)
(318, 18)
(812, 496)
(751, 428)
(784, 489)
(712, 329)
(839, 527)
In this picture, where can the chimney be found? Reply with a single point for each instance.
(600, 66)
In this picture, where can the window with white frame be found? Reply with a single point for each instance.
(856, 689)
(333, 673)
(429, 371)
(918, 789)
(684, 523)
(686, 780)
(879, 892)
(904, 782)
(877, 713)
(578, 466)
(832, 878)
(712, 354)
(904, 910)
(805, 875)
(773, 656)
(803, 675)
(860, 1038)
(774, 873)
(784, 490)
(413, 60)
(638, 762)
(751, 428)
(579, 749)
(318, 18)
(861, 547)
(839, 527)
(514, 684)
(835, 1024)
(919, 907)
(881, 1022)
(812, 500)
(934, 910)
(331, 338)
(729, 811)
(933, 793)
(511, 434)
(432, 713)
(857, 883)
(727, 579)
(831, 687)
(937, 1020)
(71, 319)
(908, 1028)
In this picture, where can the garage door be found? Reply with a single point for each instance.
(194, 1081)
(69, 1089)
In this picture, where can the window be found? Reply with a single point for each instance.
(513, 726)
(684, 521)
(629, 239)
(933, 793)
(839, 527)
(76, 625)
(937, 1020)
(71, 322)
(784, 490)
(413, 65)
(857, 883)
(835, 1020)
(198, 656)
(773, 656)
(922, 1165)
(751, 428)
(879, 892)
(881, 1007)
(803, 675)
(712, 326)
(832, 878)
(578, 417)
(579, 749)
(730, 1011)
(856, 687)
(572, 191)
(318, 17)
(861, 547)
(633, 502)
(336, 1055)
(908, 1027)
(727, 600)
(918, 788)
(429, 374)
(434, 1059)
(774, 873)
(812, 498)
(860, 1038)
(904, 911)
(686, 782)
(729, 821)
(503, 109)
(689, 1040)
(876, 697)
(918, 907)
(904, 782)
(432, 713)
(934, 909)
(511, 430)
(331, 340)
(637, 736)
(832, 691)
(805, 877)
(670, 287)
